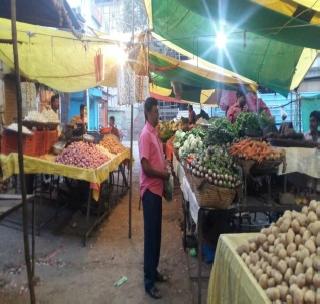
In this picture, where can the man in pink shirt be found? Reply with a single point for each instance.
(152, 177)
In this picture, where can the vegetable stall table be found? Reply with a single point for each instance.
(46, 165)
(192, 208)
(302, 160)
(192, 211)
(230, 280)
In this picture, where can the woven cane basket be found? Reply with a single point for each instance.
(209, 195)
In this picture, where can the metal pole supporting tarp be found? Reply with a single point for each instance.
(131, 167)
(29, 267)
(131, 135)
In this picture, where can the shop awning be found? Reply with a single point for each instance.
(57, 58)
(192, 75)
(189, 29)
(161, 88)
(56, 14)
(292, 21)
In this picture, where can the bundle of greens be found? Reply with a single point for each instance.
(220, 131)
(247, 123)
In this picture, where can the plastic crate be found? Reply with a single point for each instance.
(9, 143)
(51, 137)
(39, 142)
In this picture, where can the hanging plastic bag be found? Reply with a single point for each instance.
(168, 189)
(283, 114)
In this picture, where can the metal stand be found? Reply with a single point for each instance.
(109, 187)
(200, 239)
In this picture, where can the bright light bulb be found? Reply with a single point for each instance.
(121, 56)
(118, 54)
(221, 40)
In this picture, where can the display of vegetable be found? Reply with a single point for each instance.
(112, 143)
(179, 139)
(216, 165)
(46, 116)
(168, 128)
(106, 152)
(189, 142)
(35, 116)
(247, 123)
(192, 144)
(50, 116)
(266, 121)
(83, 155)
(220, 131)
(255, 150)
(285, 257)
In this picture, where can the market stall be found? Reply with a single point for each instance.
(97, 164)
(280, 264)
(87, 165)
(230, 280)
(213, 163)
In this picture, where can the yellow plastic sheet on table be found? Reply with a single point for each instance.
(230, 279)
(47, 165)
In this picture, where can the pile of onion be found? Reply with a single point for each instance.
(83, 155)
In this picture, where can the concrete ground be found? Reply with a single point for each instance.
(71, 273)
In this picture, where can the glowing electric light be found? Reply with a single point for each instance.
(221, 40)
(118, 54)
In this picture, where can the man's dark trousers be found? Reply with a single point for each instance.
(152, 216)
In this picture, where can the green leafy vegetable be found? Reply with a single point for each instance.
(220, 131)
(247, 123)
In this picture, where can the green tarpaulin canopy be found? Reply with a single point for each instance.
(284, 20)
(186, 27)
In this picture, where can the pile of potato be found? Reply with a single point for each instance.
(112, 144)
(285, 257)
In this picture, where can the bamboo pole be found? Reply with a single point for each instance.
(20, 155)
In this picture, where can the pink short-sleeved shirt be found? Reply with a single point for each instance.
(151, 148)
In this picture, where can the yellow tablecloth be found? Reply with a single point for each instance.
(230, 279)
(46, 165)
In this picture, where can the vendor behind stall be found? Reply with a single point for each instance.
(79, 122)
(55, 103)
(114, 130)
(203, 114)
(314, 133)
(192, 115)
(238, 107)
